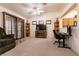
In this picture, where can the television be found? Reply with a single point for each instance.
(40, 27)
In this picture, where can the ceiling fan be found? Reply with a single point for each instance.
(37, 11)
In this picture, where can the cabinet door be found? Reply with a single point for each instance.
(69, 22)
(65, 22)
(72, 21)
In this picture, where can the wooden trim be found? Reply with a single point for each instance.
(3, 20)
(11, 15)
(16, 29)
(23, 29)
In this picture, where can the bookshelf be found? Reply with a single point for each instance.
(56, 25)
(27, 29)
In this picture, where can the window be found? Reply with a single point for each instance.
(13, 25)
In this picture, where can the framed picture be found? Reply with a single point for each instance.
(41, 22)
(48, 21)
(34, 22)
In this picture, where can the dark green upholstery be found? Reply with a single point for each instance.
(2, 32)
(7, 42)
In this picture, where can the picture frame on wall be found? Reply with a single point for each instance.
(41, 22)
(34, 22)
(48, 21)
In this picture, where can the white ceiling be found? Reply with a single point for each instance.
(26, 9)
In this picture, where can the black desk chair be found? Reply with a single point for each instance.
(59, 37)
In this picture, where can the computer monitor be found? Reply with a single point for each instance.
(63, 30)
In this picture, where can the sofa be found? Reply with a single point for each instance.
(7, 42)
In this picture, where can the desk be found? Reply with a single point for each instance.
(65, 36)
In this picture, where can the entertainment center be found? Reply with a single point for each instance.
(41, 31)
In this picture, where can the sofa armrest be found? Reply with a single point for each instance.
(4, 42)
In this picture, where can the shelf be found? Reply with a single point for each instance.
(27, 29)
(56, 25)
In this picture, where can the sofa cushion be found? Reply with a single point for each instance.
(4, 42)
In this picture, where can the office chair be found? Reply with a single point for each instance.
(59, 37)
(69, 30)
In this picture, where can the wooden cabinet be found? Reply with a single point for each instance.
(40, 33)
(27, 29)
(65, 22)
(72, 21)
(69, 22)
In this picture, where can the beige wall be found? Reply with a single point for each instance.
(73, 42)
